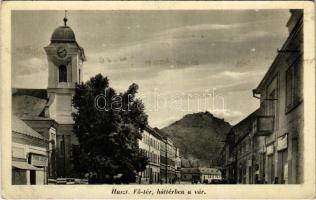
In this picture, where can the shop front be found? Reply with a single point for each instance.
(282, 168)
(28, 168)
(270, 163)
(26, 174)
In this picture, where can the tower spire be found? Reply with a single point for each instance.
(65, 18)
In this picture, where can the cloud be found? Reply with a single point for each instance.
(32, 80)
(166, 122)
(229, 115)
(198, 28)
(32, 65)
(162, 50)
(258, 34)
(233, 74)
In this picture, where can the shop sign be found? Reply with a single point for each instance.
(38, 160)
(270, 149)
(282, 143)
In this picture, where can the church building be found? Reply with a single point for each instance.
(51, 109)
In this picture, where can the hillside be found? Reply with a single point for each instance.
(199, 137)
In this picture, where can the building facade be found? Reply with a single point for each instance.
(281, 105)
(164, 158)
(248, 149)
(228, 158)
(50, 111)
(210, 175)
(190, 175)
(65, 68)
(30, 151)
(169, 168)
(243, 153)
(201, 175)
(178, 164)
(267, 146)
(150, 145)
(28, 106)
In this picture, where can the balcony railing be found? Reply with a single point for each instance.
(263, 125)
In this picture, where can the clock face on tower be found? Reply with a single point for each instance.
(61, 51)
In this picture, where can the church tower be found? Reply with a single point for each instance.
(65, 60)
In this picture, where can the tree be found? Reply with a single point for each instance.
(108, 126)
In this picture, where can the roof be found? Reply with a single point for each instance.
(63, 34)
(24, 165)
(21, 127)
(39, 93)
(29, 103)
(202, 170)
(243, 127)
(209, 171)
(164, 136)
(153, 131)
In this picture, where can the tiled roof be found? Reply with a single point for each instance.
(243, 127)
(153, 131)
(21, 127)
(200, 171)
(209, 171)
(39, 93)
(24, 165)
(28, 103)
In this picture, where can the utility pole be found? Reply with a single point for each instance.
(166, 166)
(150, 159)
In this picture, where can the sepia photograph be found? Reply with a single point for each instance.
(198, 97)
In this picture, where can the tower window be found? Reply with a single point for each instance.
(62, 73)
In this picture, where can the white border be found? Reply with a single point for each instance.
(306, 190)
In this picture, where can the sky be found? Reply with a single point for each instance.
(183, 61)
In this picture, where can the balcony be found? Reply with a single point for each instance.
(263, 125)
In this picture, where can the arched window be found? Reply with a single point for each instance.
(62, 73)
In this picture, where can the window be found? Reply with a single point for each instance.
(272, 108)
(294, 85)
(271, 104)
(62, 71)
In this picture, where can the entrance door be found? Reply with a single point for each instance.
(33, 177)
(250, 175)
(270, 168)
(150, 176)
(262, 172)
(283, 166)
(294, 161)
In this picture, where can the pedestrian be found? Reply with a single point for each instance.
(276, 180)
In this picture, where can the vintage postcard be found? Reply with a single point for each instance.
(158, 99)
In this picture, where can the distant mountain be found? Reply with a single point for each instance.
(199, 137)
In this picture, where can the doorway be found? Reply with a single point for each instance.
(32, 177)
(270, 168)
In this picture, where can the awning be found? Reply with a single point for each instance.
(24, 165)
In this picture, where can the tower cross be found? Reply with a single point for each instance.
(65, 18)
